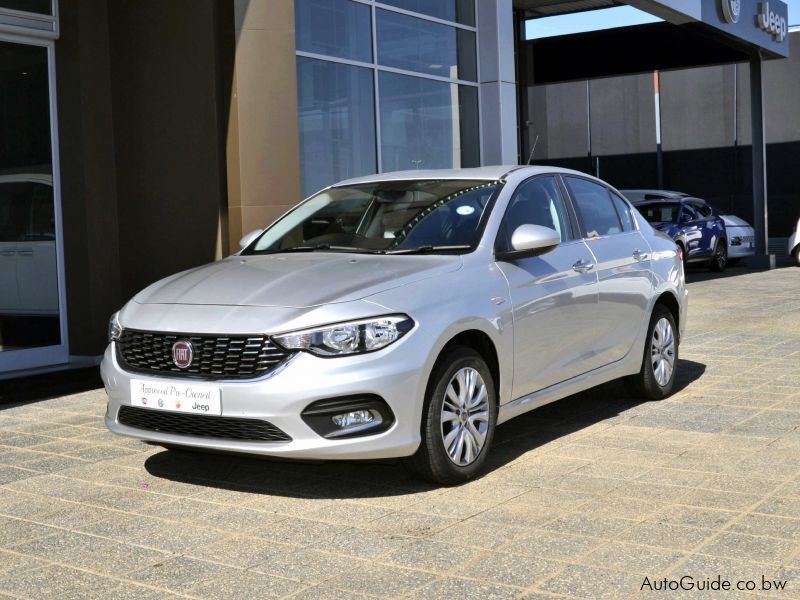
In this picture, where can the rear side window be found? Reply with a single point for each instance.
(594, 203)
(535, 202)
(703, 209)
(623, 212)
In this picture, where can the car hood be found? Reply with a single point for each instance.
(294, 280)
(734, 221)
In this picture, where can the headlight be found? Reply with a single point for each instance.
(353, 337)
(114, 328)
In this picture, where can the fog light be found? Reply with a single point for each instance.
(353, 418)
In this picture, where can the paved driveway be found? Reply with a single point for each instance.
(600, 494)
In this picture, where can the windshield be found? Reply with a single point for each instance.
(385, 216)
(660, 212)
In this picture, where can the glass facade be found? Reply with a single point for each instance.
(400, 95)
(337, 122)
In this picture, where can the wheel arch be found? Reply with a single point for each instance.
(479, 341)
(670, 302)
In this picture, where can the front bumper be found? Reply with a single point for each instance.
(398, 374)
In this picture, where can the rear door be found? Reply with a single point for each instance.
(622, 262)
(709, 225)
(554, 295)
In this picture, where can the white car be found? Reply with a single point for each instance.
(794, 244)
(28, 268)
(741, 238)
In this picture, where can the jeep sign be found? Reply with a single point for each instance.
(772, 22)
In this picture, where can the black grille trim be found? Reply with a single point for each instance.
(204, 426)
(215, 357)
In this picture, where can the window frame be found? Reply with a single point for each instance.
(627, 205)
(573, 229)
(609, 190)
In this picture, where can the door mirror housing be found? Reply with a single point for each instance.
(248, 239)
(686, 218)
(530, 240)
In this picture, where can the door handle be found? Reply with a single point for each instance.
(639, 255)
(24, 252)
(582, 266)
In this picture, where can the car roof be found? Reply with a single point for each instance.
(657, 194)
(491, 173)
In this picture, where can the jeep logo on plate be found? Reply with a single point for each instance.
(731, 9)
(182, 353)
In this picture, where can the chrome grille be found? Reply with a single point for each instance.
(207, 426)
(215, 357)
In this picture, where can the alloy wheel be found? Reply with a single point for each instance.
(465, 416)
(662, 351)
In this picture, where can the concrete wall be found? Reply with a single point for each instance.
(263, 148)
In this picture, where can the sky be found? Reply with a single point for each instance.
(608, 18)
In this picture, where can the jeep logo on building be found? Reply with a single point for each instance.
(731, 9)
(771, 22)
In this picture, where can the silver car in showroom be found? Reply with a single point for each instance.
(402, 315)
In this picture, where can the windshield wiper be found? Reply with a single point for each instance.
(313, 248)
(428, 249)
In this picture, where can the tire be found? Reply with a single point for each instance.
(432, 461)
(720, 258)
(796, 256)
(646, 383)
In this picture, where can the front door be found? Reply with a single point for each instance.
(554, 295)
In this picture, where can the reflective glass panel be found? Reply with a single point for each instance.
(414, 44)
(339, 28)
(29, 310)
(427, 124)
(42, 7)
(337, 122)
(458, 11)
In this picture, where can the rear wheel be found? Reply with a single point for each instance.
(458, 419)
(796, 256)
(720, 259)
(656, 378)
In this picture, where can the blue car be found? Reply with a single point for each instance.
(694, 224)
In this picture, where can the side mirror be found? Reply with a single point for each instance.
(248, 239)
(686, 218)
(530, 240)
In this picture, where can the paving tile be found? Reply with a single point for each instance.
(181, 574)
(511, 569)
(591, 582)
(309, 566)
(453, 587)
(664, 535)
(632, 558)
(432, 555)
(383, 581)
(755, 548)
(553, 545)
(247, 585)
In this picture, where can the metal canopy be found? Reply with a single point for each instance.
(533, 9)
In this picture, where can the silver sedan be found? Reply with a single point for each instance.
(402, 315)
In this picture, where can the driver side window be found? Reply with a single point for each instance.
(537, 201)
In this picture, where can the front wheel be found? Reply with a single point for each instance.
(458, 419)
(656, 378)
(796, 256)
(720, 259)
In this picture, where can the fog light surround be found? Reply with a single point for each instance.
(351, 416)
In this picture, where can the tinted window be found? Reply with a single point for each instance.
(415, 44)
(660, 212)
(460, 11)
(536, 202)
(15, 206)
(335, 28)
(703, 209)
(688, 214)
(594, 203)
(623, 211)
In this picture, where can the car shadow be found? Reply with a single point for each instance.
(45, 386)
(370, 479)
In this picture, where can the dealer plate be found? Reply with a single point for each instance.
(176, 397)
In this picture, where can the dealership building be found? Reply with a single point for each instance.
(144, 137)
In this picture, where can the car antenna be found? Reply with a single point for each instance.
(530, 156)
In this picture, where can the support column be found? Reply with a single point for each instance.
(762, 257)
(498, 83)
